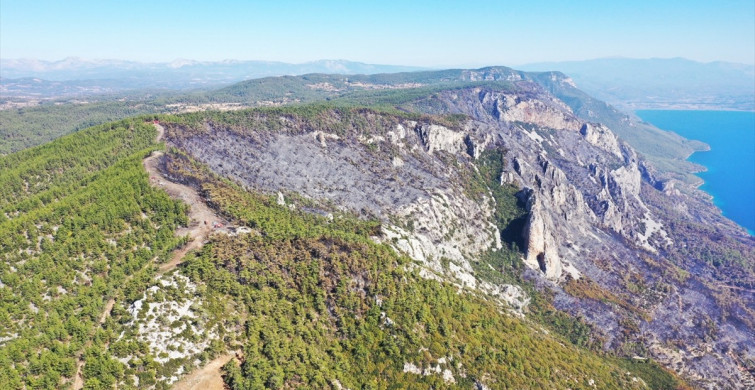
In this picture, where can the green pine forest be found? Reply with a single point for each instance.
(79, 223)
(304, 301)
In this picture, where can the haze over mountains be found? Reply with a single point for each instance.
(75, 76)
(661, 83)
(631, 84)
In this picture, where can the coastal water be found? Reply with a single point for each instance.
(730, 177)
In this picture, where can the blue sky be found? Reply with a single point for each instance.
(425, 33)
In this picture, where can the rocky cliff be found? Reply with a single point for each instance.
(600, 231)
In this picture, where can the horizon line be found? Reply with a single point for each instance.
(419, 67)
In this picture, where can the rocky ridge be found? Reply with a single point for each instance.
(589, 218)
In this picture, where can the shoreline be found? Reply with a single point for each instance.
(681, 107)
(711, 197)
(700, 181)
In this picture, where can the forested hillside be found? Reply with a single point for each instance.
(79, 223)
(452, 229)
(306, 300)
(325, 306)
(26, 127)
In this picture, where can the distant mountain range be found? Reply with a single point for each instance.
(629, 84)
(75, 76)
(674, 83)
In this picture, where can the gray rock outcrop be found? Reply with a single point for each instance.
(591, 203)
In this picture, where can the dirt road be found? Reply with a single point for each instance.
(201, 217)
(206, 378)
(201, 220)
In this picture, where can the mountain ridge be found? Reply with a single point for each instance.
(635, 214)
(178, 72)
(461, 228)
(668, 155)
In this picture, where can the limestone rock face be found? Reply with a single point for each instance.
(580, 180)
(517, 108)
(446, 226)
(602, 137)
(397, 174)
(591, 202)
(435, 137)
(542, 250)
(589, 216)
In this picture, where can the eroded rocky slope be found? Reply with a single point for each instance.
(611, 238)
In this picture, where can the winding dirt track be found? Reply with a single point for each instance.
(200, 226)
(201, 219)
(206, 378)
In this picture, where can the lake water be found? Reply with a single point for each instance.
(730, 177)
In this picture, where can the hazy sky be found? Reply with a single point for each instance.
(426, 33)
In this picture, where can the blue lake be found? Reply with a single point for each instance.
(730, 177)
